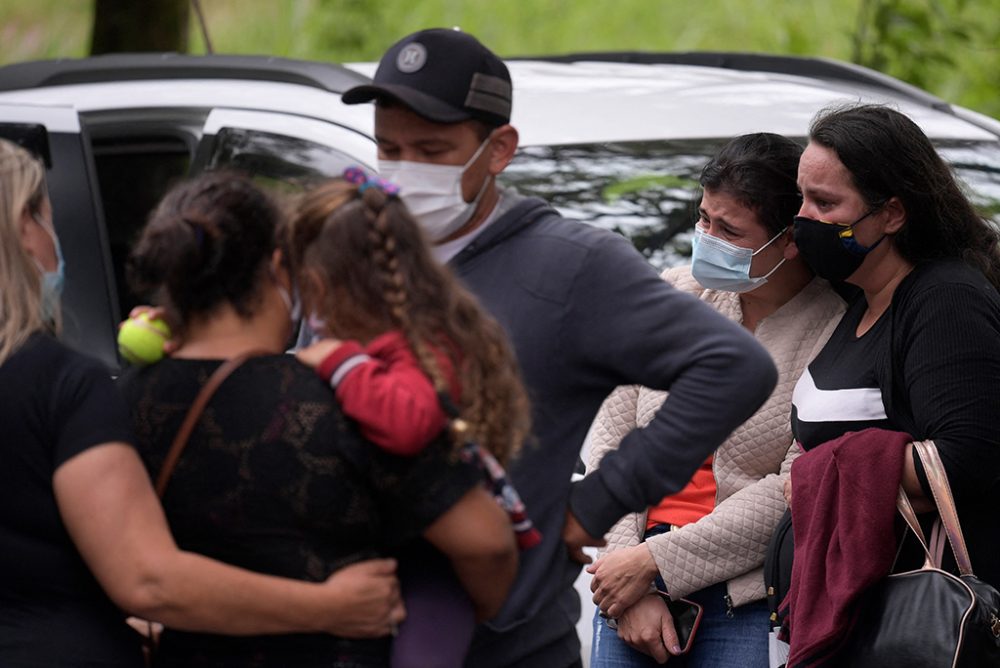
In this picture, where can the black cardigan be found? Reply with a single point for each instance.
(940, 380)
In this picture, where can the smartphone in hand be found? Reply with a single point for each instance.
(687, 617)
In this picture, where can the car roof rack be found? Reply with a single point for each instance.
(161, 66)
(820, 68)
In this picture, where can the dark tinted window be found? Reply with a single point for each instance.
(133, 174)
(30, 136)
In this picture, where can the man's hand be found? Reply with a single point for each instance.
(787, 491)
(621, 578)
(365, 600)
(576, 537)
(313, 355)
(647, 627)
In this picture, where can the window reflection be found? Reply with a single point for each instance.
(278, 162)
(648, 191)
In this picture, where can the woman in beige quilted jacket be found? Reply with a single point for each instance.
(707, 542)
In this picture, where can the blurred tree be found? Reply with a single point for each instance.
(350, 26)
(913, 40)
(150, 25)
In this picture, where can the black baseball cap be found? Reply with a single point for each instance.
(445, 76)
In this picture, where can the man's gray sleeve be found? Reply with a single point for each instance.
(630, 322)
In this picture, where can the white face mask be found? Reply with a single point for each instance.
(317, 325)
(291, 299)
(433, 193)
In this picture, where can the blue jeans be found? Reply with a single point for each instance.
(721, 641)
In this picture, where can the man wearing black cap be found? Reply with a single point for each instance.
(584, 312)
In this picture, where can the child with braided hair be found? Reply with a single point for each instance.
(412, 357)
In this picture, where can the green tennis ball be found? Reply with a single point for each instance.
(141, 339)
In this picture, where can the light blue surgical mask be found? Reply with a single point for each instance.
(52, 281)
(719, 265)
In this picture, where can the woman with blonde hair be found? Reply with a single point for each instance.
(82, 535)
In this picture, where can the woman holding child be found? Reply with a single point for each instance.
(83, 536)
(275, 478)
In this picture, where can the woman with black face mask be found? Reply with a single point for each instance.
(917, 353)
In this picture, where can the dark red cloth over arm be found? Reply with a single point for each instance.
(843, 515)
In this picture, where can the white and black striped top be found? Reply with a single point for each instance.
(839, 391)
(929, 367)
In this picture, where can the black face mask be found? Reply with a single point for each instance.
(829, 249)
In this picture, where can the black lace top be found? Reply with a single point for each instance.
(275, 479)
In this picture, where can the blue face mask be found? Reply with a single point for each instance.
(52, 281)
(719, 265)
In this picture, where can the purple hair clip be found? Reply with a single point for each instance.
(198, 230)
(357, 176)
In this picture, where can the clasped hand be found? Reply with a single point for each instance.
(621, 577)
(365, 600)
(648, 627)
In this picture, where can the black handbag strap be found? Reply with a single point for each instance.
(945, 502)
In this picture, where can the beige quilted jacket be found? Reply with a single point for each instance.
(728, 544)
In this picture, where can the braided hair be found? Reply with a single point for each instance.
(365, 267)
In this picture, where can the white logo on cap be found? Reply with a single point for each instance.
(411, 58)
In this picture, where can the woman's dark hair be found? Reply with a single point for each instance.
(759, 170)
(207, 243)
(889, 156)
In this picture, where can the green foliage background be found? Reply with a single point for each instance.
(950, 47)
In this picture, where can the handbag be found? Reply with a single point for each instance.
(928, 617)
(148, 630)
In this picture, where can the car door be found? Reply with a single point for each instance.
(89, 303)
